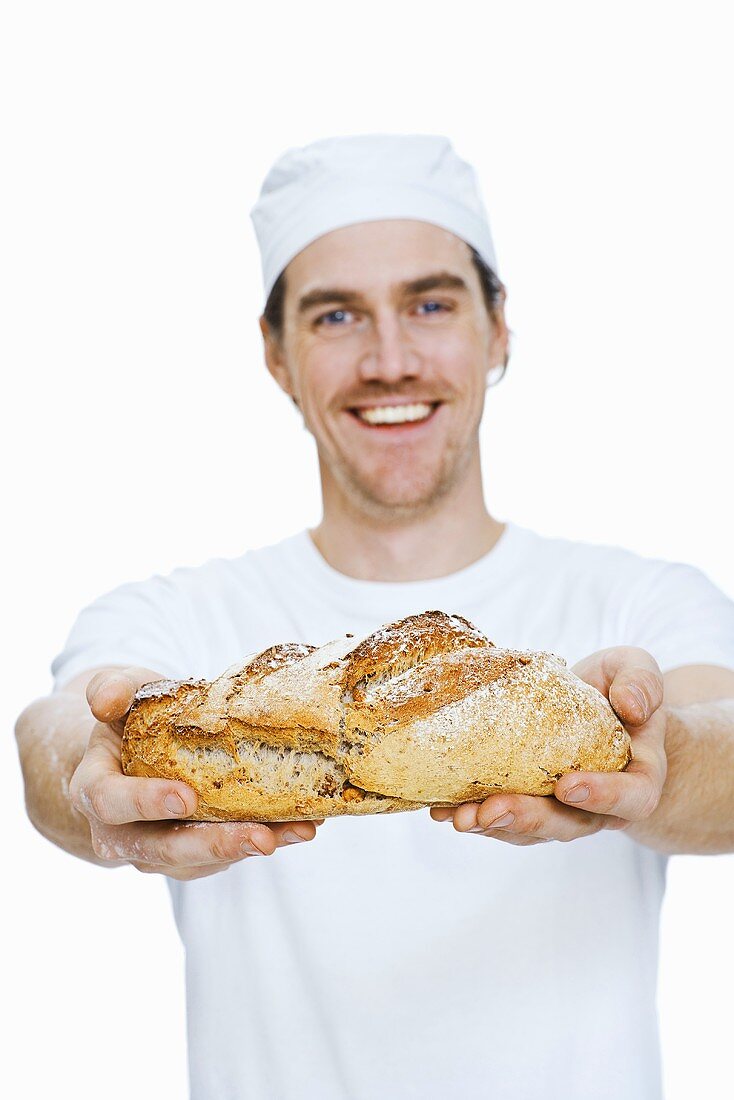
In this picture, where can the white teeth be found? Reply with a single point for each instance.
(395, 414)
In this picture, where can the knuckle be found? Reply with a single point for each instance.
(95, 684)
(610, 807)
(219, 851)
(138, 805)
(635, 655)
(650, 804)
(638, 660)
(97, 803)
(528, 824)
(165, 855)
(651, 679)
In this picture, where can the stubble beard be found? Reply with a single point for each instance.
(398, 494)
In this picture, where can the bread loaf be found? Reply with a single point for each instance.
(424, 711)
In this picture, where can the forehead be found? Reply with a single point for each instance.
(377, 253)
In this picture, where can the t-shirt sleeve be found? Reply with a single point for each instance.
(135, 624)
(680, 616)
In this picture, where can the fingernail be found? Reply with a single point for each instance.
(577, 794)
(249, 849)
(640, 699)
(251, 845)
(499, 823)
(175, 804)
(292, 838)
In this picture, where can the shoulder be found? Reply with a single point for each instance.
(619, 578)
(586, 557)
(215, 575)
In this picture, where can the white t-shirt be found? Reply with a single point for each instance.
(393, 956)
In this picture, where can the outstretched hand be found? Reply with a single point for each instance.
(586, 802)
(137, 820)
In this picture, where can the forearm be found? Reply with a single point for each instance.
(52, 735)
(695, 815)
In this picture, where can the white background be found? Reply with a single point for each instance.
(141, 430)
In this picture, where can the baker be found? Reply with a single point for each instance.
(396, 957)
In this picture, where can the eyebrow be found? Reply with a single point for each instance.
(441, 280)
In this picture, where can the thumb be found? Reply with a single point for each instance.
(110, 693)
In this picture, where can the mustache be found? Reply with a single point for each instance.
(386, 396)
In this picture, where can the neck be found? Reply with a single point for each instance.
(453, 533)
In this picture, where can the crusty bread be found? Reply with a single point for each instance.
(424, 711)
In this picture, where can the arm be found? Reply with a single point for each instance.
(677, 794)
(695, 814)
(685, 773)
(52, 735)
(78, 796)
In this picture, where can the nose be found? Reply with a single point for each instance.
(388, 356)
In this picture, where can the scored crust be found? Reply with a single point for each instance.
(423, 711)
(400, 646)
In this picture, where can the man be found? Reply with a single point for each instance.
(394, 958)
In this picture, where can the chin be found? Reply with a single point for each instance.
(398, 488)
(401, 498)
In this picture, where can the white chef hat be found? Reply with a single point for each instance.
(339, 181)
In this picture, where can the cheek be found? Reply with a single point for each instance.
(319, 378)
(460, 359)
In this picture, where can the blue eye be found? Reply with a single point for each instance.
(437, 306)
(338, 313)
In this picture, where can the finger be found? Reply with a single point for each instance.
(110, 692)
(447, 814)
(291, 832)
(191, 844)
(529, 816)
(181, 845)
(100, 790)
(632, 794)
(629, 677)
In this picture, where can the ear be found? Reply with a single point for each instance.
(275, 359)
(500, 342)
(501, 332)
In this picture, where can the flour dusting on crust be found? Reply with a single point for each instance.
(425, 710)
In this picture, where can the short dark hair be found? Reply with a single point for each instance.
(492, 290)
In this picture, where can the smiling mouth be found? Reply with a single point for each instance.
(390, 416)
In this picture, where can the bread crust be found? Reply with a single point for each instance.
(424, 711)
